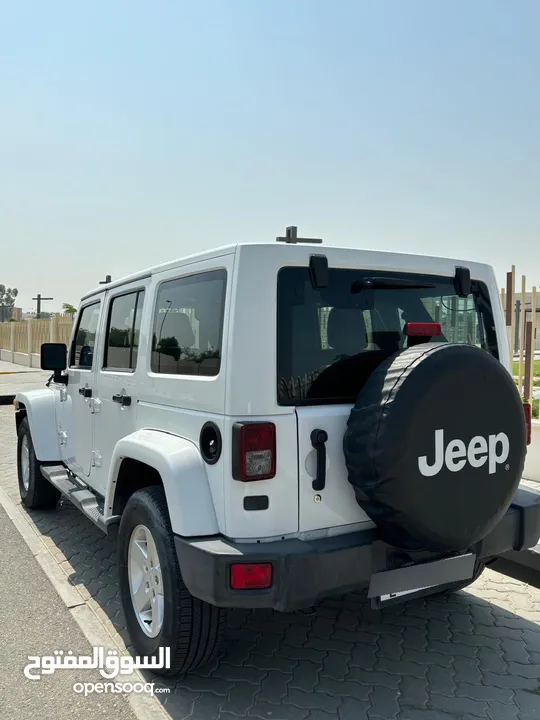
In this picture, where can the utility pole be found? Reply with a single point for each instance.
(39, 300)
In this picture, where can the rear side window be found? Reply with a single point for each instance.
(188, 325)
(331, 340)
(123, 328)
(82, 349)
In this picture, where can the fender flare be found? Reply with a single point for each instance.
(39, 406)
(183, 472)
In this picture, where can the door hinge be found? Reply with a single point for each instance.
(96, 458)
(95, 405)
(63, 394)
(62, 437)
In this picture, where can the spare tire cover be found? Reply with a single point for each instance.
(435, 446)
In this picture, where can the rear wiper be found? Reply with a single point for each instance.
(382, 283)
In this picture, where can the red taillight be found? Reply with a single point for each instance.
(527, 409)
(251, 577)
(422, 329)
(254, 451)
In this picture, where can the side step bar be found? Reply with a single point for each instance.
(83, 498)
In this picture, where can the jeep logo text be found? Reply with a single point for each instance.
(493, 450)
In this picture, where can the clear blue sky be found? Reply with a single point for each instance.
(134, 132)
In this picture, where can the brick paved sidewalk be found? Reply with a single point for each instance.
(476, 655)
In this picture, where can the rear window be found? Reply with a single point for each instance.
(330, 340)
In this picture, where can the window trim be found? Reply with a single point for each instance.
(80, 312)
(106, 368)
(178, 278)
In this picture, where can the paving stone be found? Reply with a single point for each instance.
(413, 692)
(514, 650)
(312, 701)
(272, 712)
(349, 689)
(458, 706)
(335, 665)
(352, 709)
(305, 676)
(240, 698)
(441, 680)
(384, 703)
(374, 677)
(467, 670)
(484, 692)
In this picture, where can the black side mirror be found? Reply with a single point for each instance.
(53, 357)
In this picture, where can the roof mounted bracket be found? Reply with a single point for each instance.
(291, 237)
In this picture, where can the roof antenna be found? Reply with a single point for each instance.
(291, 237)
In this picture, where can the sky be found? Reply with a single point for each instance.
(132, 132)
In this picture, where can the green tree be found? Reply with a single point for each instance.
(7, 302)
(69, 309)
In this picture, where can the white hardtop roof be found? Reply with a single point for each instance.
(410, 260)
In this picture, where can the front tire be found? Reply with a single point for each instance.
(159, 610)
(36, 492)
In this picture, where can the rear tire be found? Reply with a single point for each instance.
(191, 628)
(36, 492)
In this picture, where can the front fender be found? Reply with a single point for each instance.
(41, 413)
(183, 472)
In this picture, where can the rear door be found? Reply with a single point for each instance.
(330, 340)
(117, 396)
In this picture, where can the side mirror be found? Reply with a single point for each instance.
(54, 357)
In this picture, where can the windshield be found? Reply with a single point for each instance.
(330, 340)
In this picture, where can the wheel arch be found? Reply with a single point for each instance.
(152, 457)
(38, 406)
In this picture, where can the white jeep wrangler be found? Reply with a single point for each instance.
(266, 425)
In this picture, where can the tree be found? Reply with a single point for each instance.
(7, 302)
(69, 309)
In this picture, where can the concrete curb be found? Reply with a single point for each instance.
(96, 631)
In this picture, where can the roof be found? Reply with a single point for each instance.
(279, 247)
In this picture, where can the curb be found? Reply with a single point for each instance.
(144, 707)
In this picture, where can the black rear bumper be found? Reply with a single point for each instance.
(304, 572)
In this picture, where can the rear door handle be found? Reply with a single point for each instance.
(85, 392)
(123, 400)
(318, 439)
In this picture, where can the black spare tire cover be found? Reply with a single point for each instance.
(435, 446)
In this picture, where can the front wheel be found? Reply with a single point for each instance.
(160, 612)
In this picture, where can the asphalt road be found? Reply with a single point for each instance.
(34, 621)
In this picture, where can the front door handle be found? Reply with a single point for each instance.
(123, 400)
(318, 439)
(85, 392)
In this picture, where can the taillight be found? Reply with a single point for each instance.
(422, 329)
(256, 576)
(527, 409)
(254, 451)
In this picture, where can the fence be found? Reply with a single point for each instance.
(521, 315)
(20, 342)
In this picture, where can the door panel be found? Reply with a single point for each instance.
(117, 395)
(76, 420)
(337, 506)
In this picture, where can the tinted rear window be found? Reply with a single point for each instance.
(330, 340)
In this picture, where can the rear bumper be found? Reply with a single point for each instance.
(305, 572)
